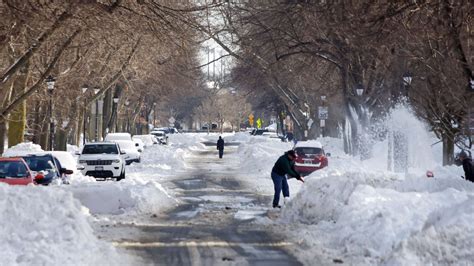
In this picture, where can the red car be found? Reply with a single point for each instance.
(15, 171)
(310, 156)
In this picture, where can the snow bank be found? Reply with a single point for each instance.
(258, 154)
(127, 196)
(376, 217)
(22, 149)
(44, 226)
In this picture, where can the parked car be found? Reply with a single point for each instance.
(15, 171)
(131, 153)
(310, 156)
(118, 136)
(160, 136)
(148, 140)
(49, 166)
(102, 160)
(258, 132)
(139, 144)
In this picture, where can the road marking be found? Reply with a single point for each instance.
(135, 224)
(126, 244)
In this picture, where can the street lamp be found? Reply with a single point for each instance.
(154, 115)
(84, 90)
(407, 78)
(360, 91)
(116, 100)
(127, 103)
(96, 135)
(50, 81)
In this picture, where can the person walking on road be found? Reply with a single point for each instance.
(220, 146)
(467, 166)
(284, 166)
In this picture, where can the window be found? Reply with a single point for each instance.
(100, 149)
(13, 169)
(308, 151)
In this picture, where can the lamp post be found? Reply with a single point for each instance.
(116, 100)
(127, 103)
(407, 78)
(96, 133)
(154, 115)
(50, 81)
(323, 114)
(84, 119)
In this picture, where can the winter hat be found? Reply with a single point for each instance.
(291, 152)
(462, 154)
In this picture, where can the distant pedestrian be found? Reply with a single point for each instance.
(467, 166)
(220, 146)
(284, 166)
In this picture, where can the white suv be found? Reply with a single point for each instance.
(102, 160)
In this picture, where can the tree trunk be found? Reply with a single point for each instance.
(17, 121)
(3, 129)
(60, 140)
(448, 150)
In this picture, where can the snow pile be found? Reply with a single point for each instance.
(159, 158)
(374, 218)
(127, 196)
(44, 226)
(258, 154)
(22, 149)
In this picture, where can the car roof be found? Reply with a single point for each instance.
(38, 154)
(101, 143)
(119, 134)
(11, 159)
(309, 144)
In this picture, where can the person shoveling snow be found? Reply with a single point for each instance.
(284, 166)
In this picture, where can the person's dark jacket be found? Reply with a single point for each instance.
(284, 166)
(220, 144)
(468, 169)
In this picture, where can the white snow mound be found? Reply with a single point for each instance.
(126, 196)
(42, 226)
(22, 149)
(377, 218)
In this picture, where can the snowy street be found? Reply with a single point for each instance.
(211, 223)
(152, 132)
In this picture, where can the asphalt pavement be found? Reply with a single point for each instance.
(213, 225)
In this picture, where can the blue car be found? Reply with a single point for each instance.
(49, 165)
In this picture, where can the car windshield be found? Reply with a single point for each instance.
(40, 163)
(13, 169)
(308, 151)
(100, 149)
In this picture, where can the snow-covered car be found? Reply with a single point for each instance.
(15, 171)
(131, 153)
(148, 140)
(48, 165)
(102, 160)
(160, 136)
(118, 136)
(310, 156)
(139, 144)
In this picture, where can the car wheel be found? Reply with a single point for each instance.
(122, 176)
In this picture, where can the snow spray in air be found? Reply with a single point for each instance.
(402, 142)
